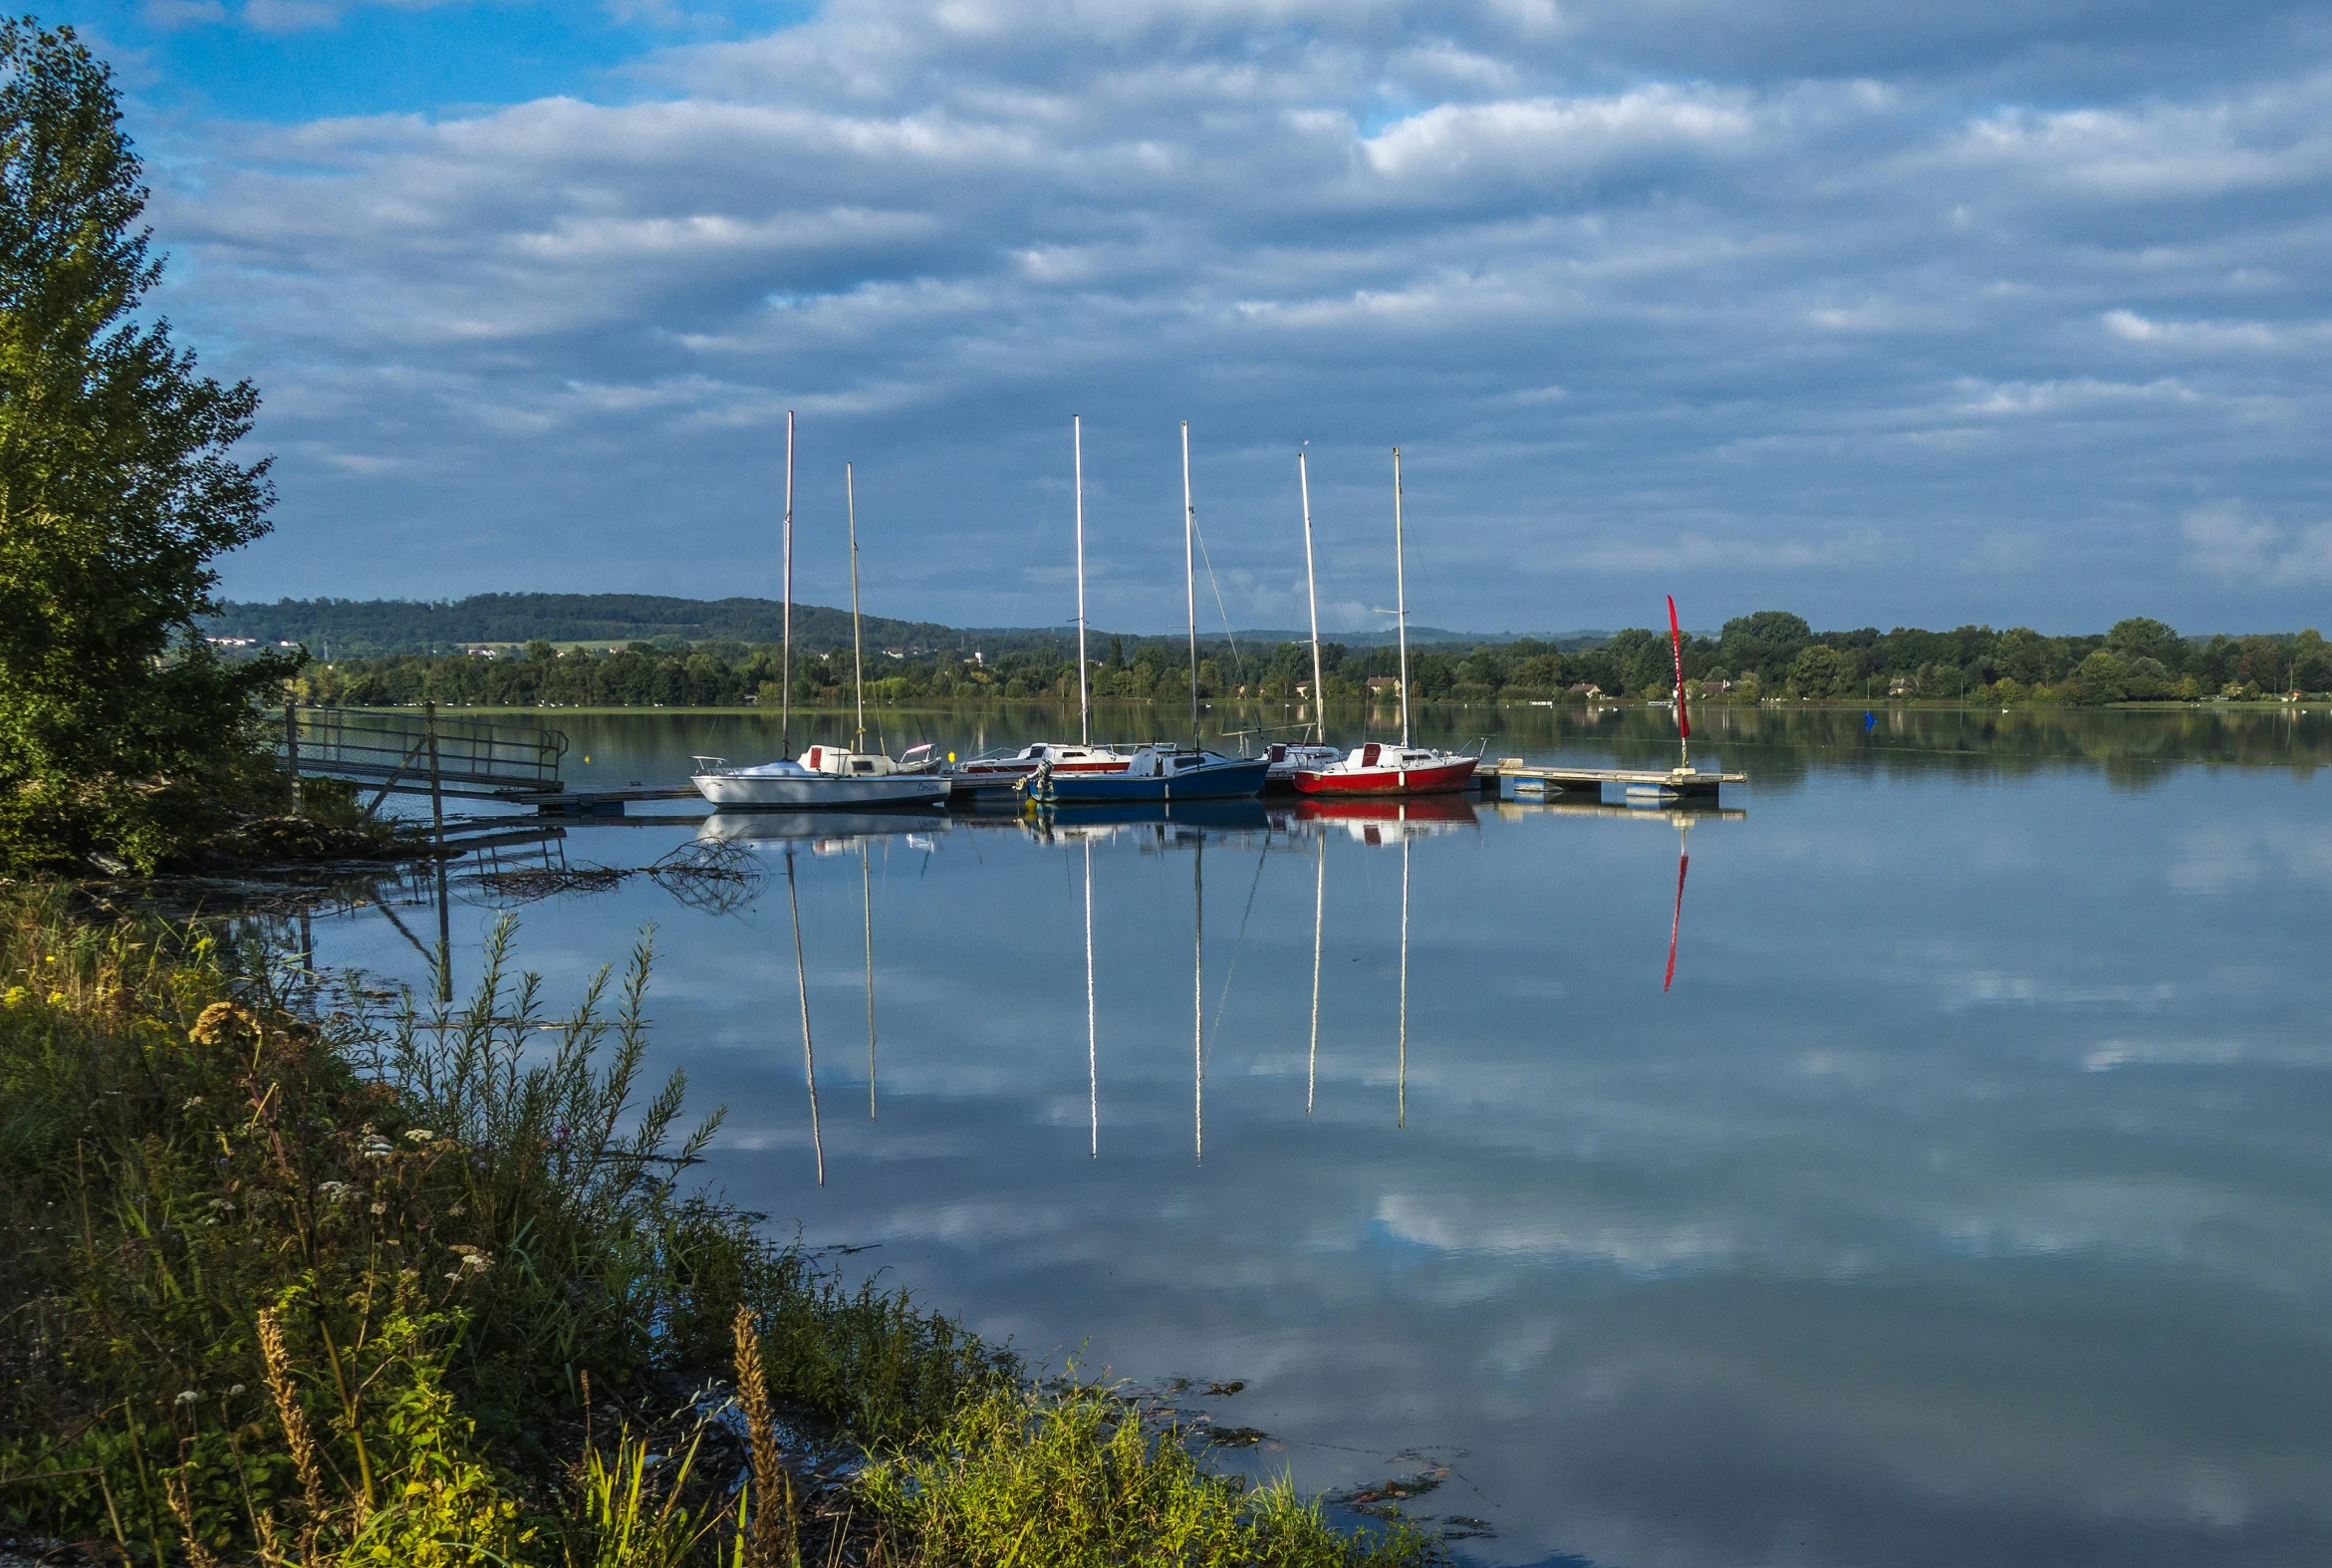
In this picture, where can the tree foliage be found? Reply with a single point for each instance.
(119, 731)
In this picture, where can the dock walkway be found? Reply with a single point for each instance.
(1513, 778)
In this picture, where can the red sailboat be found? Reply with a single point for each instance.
(1405, 769)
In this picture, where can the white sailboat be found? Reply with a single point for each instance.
(1405, 769)
(824, 777)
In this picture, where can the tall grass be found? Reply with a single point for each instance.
(1070, 1477)
(314, 1288)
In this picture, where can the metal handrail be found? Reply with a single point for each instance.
(376, 745)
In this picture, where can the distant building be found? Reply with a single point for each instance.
(1586, 689)
(1902, 686)
(1377, 684)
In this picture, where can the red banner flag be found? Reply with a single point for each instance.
(1676, 638)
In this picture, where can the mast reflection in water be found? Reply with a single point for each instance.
(1996, 1067)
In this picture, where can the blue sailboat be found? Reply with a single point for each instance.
(1156, 774)
(1163, 773)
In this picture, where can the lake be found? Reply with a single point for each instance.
(1962, 1196)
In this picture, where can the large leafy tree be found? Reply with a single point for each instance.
(121, 732)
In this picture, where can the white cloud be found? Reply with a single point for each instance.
(1540, 137)
(2212, 336)
(2225, 539)
(1746, 324)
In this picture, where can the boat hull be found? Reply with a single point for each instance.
(1224, 781)
(1440, 780)
(820, 791)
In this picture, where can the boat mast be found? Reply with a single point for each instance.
(1191, 581)
(1401, 599)
(1083, 709)
(858, 649)
(1312, 592)
(785, 670)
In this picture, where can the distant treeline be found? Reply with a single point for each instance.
(1769, 654)
(370, 627)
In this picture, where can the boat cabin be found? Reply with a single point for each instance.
(1377, 755)
(841, 761)
(1152, 764)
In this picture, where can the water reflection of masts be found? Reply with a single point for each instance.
(1092, 1059)
(867, 894)
(1319, 910)
(1401, 1104)
(802, 985)
(1198, 1000)
(1677, 920)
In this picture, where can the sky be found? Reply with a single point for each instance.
(2013, 312)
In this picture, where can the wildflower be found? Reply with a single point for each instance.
(187, 1396)
(192, 1103)
(380, 1209)
(458, 1210)
(420, 1134)
(237, 1389)
(55, 998)
(14, 996)
(332, 1191)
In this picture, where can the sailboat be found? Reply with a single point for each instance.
(1288, 759)
(1159, 773)
(1047, 756)
(825, 776)
(1405, 769)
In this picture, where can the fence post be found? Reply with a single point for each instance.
(291, 743)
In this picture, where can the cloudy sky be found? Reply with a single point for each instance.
(2010, 311)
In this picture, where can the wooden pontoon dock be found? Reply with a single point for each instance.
(1511, 778)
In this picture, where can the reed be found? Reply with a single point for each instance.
(318, 1290)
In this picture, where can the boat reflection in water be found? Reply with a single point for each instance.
(827, 830)
(1155, 827)
(1387, 819)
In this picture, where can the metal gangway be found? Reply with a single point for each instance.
(418, 751)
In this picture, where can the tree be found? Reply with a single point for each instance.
(121, 731)
(1823, 671)
(2102, 678)
(1767, 642)
(2139, 636)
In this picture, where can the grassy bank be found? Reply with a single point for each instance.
(302, 1287)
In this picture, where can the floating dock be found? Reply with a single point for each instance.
(1511, 778)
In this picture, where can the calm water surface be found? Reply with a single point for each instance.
(1961, 1199)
